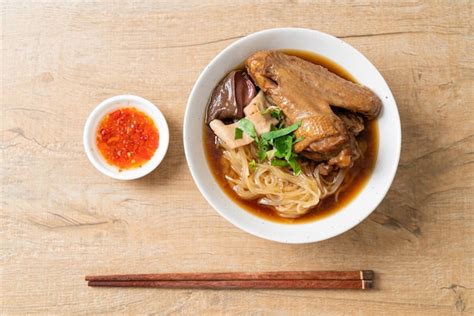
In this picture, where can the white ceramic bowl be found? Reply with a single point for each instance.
(112, 104)
(351, 60)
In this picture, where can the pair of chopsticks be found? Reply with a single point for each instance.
(361, 280)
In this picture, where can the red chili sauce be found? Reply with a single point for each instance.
(127, 138)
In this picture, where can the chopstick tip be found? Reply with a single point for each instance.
(367, 284)
(367, 274)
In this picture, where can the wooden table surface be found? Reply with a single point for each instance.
(61, 219)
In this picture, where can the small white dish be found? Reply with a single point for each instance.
(351, 60)
(110, 105)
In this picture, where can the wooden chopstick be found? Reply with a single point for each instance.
(281, 275)
(242, 284)
(265, 280)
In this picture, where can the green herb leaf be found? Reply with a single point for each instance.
(280, 132)
(270, 154)
(238, 133)
(289, 153)
(266, 111)
(276, 113)
(283, 146)
(277, 143)
(279, 163)
(247, 127)
(298, 139)
(262, 154)
(294, 165)
(262, 148)
(252, 165)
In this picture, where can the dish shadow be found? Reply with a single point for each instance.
(398, 221)
(391, 226)
(174, 159)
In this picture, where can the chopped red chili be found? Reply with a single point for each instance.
(127, 138)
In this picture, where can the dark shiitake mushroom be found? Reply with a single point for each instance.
(230, 97)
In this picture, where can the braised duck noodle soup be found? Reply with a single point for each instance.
(291, 136)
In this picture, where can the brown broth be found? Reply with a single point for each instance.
(353, 183)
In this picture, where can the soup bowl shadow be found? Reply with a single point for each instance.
(172, 162)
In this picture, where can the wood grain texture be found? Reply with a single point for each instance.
(61, 219)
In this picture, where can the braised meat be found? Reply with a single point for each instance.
(353, 122)
(304, 91)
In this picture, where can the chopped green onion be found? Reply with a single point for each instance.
(280, 132)
(252, 165)
(279, 163)
(298, 139)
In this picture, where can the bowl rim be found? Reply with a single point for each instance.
(390, 174)
(110, 104)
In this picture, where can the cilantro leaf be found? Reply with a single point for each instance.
(275, 145)
(294, 165)
(283, 146)
(284, 150)
(238, 133)
(247, 127)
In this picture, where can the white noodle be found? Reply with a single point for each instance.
(292, 196)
